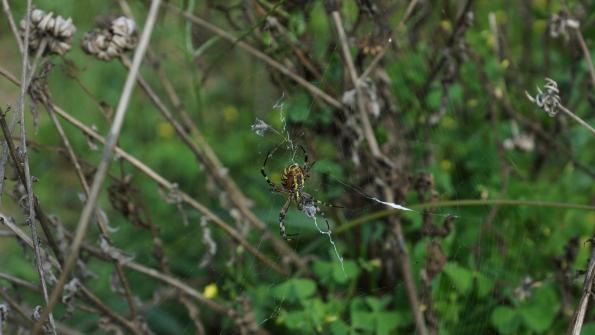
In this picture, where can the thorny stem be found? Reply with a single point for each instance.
(23, 152)
(462, 203)
(111, 141)
(581, 310)
(400, 249)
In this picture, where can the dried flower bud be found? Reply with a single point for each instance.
(110, 43)
(52, 29)
(549, 100)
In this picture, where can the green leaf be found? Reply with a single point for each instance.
(296, 290)
(351, 271)
(339, 327)
(484, 284)
(540, 309)
(362, 320)
(386, 322)
(460, 277)
(377, 305)
(505, 319)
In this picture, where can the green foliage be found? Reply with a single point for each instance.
(477, 98)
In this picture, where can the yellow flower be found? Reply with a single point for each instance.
(446, 165)
(210, 291)
(230, 113)
(165, 130)
(446, 25)
(504, 64)
(330, 318)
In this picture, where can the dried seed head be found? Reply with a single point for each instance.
(559, 24)
(112, 42)
(55, 30)
(548, 100)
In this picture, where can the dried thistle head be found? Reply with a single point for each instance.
(49, 28)
(111, 42)
(548, 99)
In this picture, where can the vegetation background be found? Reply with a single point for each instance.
(503, 194)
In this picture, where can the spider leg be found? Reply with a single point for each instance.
(264, 174)
(282, 215)
(307, 166)
(305, 153)
(327, 204)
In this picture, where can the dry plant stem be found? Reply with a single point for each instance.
(401, 249)
(315, 91)
(30, 199)
(587, 55)
(99, 218)
(110, 144)
(25, 314)
(203, 151)
(163, 183)
(236, 195)
(167, 279)
(85, 291)
(381, 54)
(165, 111)
(13, 120)
(11, 22)
(581, 310)
(462, 203)
(19, 281)
(205, 154)
(43, 219)
(368, 131)
(577, 119)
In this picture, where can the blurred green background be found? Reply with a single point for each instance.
(510, 270)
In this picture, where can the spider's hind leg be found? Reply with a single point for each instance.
(282, 215)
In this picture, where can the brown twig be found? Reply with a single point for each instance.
(110, 144)
(99, 218)
(581, 309)
(586, 54)
(577, 119)
(400, 249)
(27, 183)
(210, 162)
(315, 91)
(12, 23)
(85, 291)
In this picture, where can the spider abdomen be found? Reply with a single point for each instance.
(293, 178)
